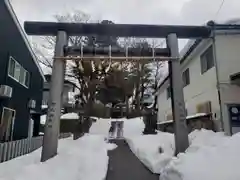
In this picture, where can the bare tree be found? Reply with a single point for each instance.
(85, 75)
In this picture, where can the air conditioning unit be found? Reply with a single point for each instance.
(32, 104)
(5, 91)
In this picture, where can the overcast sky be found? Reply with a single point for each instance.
(194, 12)
(131, 11)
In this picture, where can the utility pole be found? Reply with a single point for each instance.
(51, 132)
(177, 97)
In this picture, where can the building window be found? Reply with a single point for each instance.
(11, 67)
(17, 72)
(27, 79)
(186, 77)
(22, 76)
(207, 61)
(168, 92)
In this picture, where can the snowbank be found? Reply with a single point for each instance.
(133, 127)
(210, 162)
(101, 127)
(154, 151)
(203, 137)
(70, 116)
(83, 159)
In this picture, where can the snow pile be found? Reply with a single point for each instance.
(154, 151)
(85, 158)
(101, 127)
(218, 162)
(70, 116)
(133, 127)
(203, 137)
(111, 146)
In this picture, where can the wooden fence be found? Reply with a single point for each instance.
(13, 149)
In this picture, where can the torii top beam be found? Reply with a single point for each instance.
(117, 30)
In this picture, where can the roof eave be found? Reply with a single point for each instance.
(11, 11)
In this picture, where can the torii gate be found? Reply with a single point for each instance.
(170, 54)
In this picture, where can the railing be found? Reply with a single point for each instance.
(13, 149)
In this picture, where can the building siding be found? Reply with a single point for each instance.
(12, 44)
(164, 104)
(202, 87)
(228, 64)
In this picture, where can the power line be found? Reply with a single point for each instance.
(219, 9)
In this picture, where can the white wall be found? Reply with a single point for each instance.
(228, 59)
(202, 87)
(164, 104)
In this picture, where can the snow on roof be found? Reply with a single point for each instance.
(24, 36)
(70, 116)
(165, 122)
(188, 117)
(43, 118)
(196, 115)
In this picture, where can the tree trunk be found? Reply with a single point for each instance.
(127, 106)
(155, 102)
(138, 87)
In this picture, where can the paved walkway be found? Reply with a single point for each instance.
(124, 165)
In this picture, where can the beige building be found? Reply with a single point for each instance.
(211, 78)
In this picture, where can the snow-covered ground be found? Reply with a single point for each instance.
(154, 151)
(100, 127)
(83, 159)
(131, 127)
(70, 116)
(210, 156)
(212, 161)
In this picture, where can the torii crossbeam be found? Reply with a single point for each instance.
(63, 30)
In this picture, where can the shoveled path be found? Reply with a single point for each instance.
(124, 165)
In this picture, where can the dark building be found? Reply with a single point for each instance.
(21, 80)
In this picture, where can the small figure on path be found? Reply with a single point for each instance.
(120, 129)
(112, 129)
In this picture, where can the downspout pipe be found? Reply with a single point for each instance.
(217, 76)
